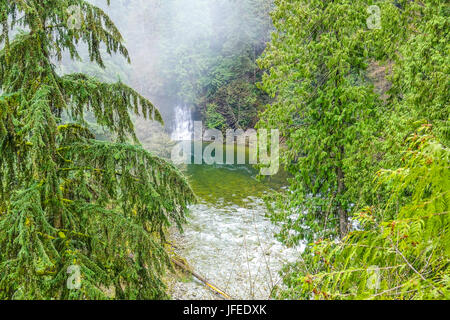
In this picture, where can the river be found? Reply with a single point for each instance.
(228, 239)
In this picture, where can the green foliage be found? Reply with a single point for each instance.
(202, 52)
(230, 81)
(66, 198)
(406, 257)
(214, 120)
(212, 60)
(422, 68)
(397, 245)
(323, 106)
(237, 102)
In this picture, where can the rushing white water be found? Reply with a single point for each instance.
(228, 239)
(234, 247)
(183, 128)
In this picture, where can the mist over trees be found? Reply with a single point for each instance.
(70, 203)
(359, 91)
(200, 53)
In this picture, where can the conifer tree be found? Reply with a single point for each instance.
(67, 200)
(398, 247)
(399, 252)
(422, 64)
(323, 105)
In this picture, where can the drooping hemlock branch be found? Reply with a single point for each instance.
(67, 199)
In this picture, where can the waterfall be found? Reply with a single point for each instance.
(182, 130)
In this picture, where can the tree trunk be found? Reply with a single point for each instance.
(342, 212)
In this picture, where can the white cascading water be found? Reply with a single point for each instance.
(183, 128)
(228, 238)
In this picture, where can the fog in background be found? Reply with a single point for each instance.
(174, 46)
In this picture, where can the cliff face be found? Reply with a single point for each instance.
(378, 75)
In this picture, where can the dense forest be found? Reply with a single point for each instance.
(67, 198)
(359, 92)
(209, 63)
(365, 116)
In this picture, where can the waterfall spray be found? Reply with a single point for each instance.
(183, 124)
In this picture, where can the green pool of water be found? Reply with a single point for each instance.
(228, 238)
(223, 183)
